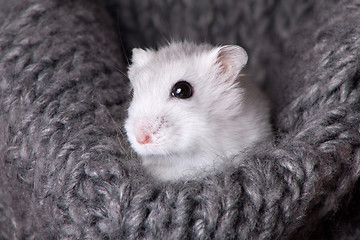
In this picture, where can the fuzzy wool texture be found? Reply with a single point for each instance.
(68, 172)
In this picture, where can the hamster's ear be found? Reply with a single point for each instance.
(140, 56)
(231, 59)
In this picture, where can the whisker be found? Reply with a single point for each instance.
(120, 71)
(120, 132)
(123, 49)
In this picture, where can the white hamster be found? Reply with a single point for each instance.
(191, 109)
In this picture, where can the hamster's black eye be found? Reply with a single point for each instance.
(182, 89)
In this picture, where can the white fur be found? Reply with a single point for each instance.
(225, 115)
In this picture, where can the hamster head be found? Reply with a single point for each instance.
(184, 96)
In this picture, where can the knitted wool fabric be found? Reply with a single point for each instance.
(67, 171)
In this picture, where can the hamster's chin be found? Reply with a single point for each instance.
(155, 151)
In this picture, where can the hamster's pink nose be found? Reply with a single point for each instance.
(142, 137)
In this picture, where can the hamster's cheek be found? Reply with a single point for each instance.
(170, 130)
(184, 134)
(129, 132)
(166, 141)
(169, 139)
